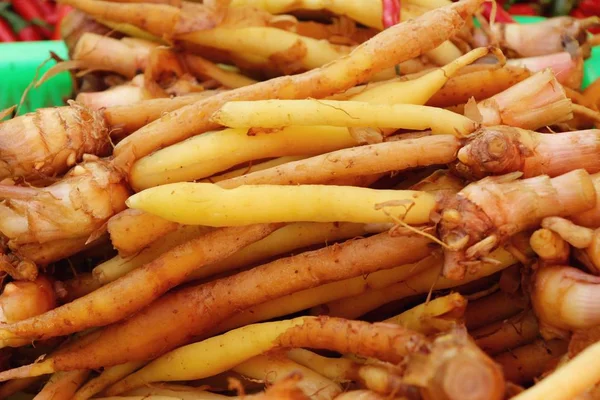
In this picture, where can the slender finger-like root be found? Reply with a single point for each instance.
(435, 316)
(567, 382)
(419, 90)
(334, 77)
(176, 391)
(107, 378)
(564, 300)
(504, 335)
(541, 38)
(138, 288)
(306, 53)
(116, 96)
(455, 369)
(563, 65)
(125, 119)
(484, 214)
(591, 217)
(204, 306)
(213, 152)
(23, 299)
(492, 308)
(285, 240)
(538, 101)
(161, 20)
(49, 141)
(204, 203)
(77, 207)
(523, 364)
(201, 67)
(549, 246)
(577, 236)
(357, 161)
(587, 113)
(459, 89)
(337, 369)
(14, 386)
(385, 379)
(384, 341)
(281, 113)
(430, 279)
(275, 370)
(252, 167)
(502, 149)
(127, 57)
(346, 288)
(133, 230)
(62, 385)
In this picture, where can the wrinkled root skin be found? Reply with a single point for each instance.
(498, 150)
(463, 223)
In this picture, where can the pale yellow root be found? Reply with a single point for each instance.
(275, 367)
(504, 335)
(107, 378)
(356, 162)
(392, 46)
(435, 316)
(281, 113)
(62, 385)
(291, 237)
(569, 380)
(336, 369)
(180, 392)
(549, 246)
(347, 288)
(419, 90)
(209, 357)
(430, 279)
(213, 152)
(523, 364)
(199, 66)
(253, 168)
(210, 205)
(131, 30)
(266, 42)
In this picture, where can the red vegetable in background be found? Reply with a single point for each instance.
(523, 9)
(501, 14)
(29, 10)
(391, 13)
(6, 32)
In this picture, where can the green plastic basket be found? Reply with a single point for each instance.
(19, 63)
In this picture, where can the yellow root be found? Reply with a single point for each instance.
(281, 113)
(210, 205)
(213, 152)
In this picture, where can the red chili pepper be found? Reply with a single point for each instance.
(48, 10)
(589, 7)
(29, 10)
(501, 15)
(6, 33)
(523, 9)
(391, 13)
(29, 34)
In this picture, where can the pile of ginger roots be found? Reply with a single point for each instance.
(305, 200)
